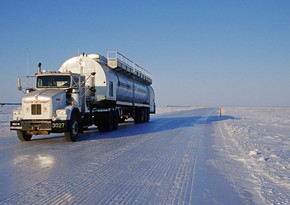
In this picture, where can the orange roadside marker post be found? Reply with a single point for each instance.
(221, 108)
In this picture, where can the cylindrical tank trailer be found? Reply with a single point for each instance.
(110, 85)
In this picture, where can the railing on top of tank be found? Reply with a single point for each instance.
(134, 68)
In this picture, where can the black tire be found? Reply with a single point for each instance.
(105, 123)
(143, 118)
(147, 114)
(100, 122)
(82, 128)
(72, 134)
(22, 136)
(137, 117)
(116, 119)
(110, 121)
(141, 115)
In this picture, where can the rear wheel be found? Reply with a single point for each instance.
(106, 120)
(72, 133)
(147, 115)
(23, 136)
(141, 115)
(116, 119)
(137, 117)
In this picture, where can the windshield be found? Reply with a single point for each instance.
(53, 81)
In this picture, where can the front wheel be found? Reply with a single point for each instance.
(72, 133)
(23, 136)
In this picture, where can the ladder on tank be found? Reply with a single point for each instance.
(119, 62)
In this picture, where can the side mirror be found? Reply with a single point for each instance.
(19, 86)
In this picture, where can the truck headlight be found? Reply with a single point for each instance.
(17, 112)
(17, 115)
(60, 112)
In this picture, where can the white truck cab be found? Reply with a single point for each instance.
(49, 108)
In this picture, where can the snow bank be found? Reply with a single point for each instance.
(256, 147)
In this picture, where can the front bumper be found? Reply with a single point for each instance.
(40, 126)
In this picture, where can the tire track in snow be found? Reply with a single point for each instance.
(158, 169)
(181, 191)
(183, 181)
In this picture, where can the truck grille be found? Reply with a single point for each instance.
(36, 109)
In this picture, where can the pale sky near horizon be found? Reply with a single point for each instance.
(200, 52)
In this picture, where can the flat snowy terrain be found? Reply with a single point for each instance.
(184, 157)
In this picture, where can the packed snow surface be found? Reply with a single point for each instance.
(180, 157)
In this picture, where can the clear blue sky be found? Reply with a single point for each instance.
(200, 52)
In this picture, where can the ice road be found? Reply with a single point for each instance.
(169, 160)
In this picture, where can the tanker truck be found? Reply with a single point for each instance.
(89, 89)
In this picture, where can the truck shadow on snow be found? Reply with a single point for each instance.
(155, 125)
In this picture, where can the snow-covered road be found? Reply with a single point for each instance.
(177, 158)
(152, 163)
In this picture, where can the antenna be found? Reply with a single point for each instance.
(27, 66)
(27, 62)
